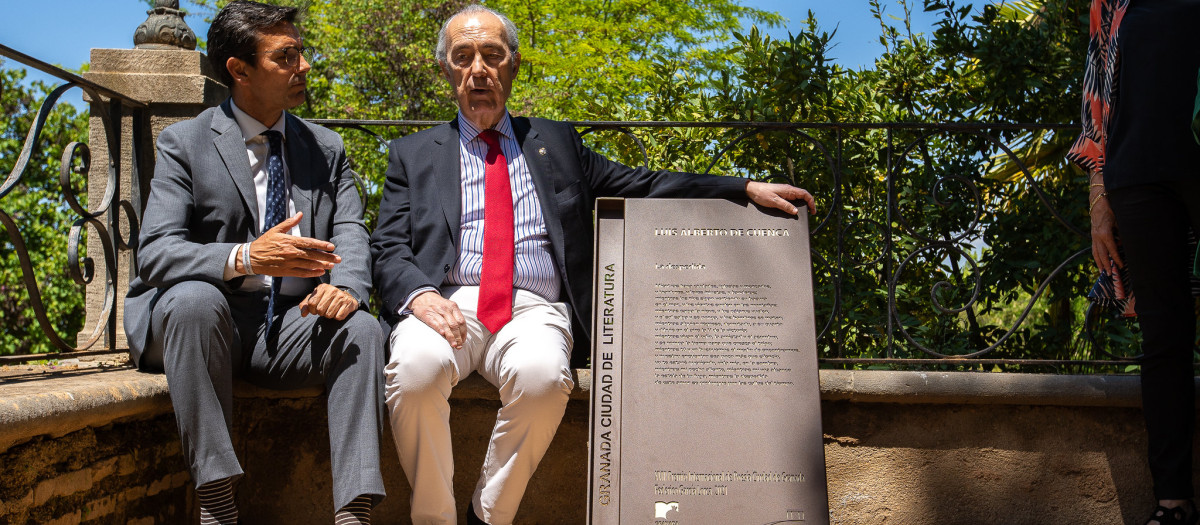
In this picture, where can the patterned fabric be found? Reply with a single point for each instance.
(217, 506)
(1115, 296)
(1100, 88)
(258, 148)
(1110, 295)
(1099, 83)
(276, 205)
(357, 512)
(534, 267)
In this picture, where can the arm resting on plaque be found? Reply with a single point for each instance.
(770, 195)
(610, 178)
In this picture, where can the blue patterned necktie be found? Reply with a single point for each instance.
(276, 206)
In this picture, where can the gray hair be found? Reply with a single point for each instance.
(510, 30)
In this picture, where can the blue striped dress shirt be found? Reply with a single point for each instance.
(533, 264)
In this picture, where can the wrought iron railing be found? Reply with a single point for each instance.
(919, 258)
(103, 218)
(911, 248)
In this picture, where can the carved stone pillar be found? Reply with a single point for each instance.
(177, 84)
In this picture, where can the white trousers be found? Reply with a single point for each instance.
(528, 360)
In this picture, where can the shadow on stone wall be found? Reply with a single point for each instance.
(985, 464)
(285, 447)
(122, 473)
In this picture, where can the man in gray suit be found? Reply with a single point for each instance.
(254, 263)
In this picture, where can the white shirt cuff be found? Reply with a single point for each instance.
(404, 308)
(231, 263)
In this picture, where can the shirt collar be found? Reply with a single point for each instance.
(251, 127)
(467, 131)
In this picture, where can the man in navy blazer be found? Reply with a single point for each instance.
(431, 254)
(253, 262)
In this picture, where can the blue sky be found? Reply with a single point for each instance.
(66, 35)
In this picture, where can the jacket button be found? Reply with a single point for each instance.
(446, 268)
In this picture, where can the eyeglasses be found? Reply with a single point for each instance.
(292, 55)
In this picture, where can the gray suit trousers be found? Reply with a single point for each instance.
(203, 338)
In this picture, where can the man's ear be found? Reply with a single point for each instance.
(516, 60)
(237, 69)
(446, 71)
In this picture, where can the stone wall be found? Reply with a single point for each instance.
(901, 448)
(115, 474)
(286, 447)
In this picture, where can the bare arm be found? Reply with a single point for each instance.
(1104, 226)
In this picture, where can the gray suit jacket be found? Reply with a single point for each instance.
(417, 236)
(202, 203)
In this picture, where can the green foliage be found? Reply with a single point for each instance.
(948, 218)
(377, 64)
(41, 214)
(962, 231)
(589, 59)
(580, 59)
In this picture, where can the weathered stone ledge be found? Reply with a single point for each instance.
(975, 388)
(59, 405)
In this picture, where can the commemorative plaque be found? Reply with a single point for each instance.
(705, 403)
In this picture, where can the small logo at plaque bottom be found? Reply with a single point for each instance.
(661, 508)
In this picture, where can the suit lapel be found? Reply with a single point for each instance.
(537, 158)
(300, 168)
(232, 149)
(448, 170)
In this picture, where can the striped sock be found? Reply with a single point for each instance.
(356, 512)
(216, 503)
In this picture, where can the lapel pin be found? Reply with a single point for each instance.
(542, 151)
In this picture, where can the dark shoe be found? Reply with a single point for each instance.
(473, 519)
(1182, 515)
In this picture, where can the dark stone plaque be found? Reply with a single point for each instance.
(705, 396)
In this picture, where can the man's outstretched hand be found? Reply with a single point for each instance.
(278, 254)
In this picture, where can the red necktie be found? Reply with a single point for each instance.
(496, 279)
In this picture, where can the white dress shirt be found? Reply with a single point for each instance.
(257, 150)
